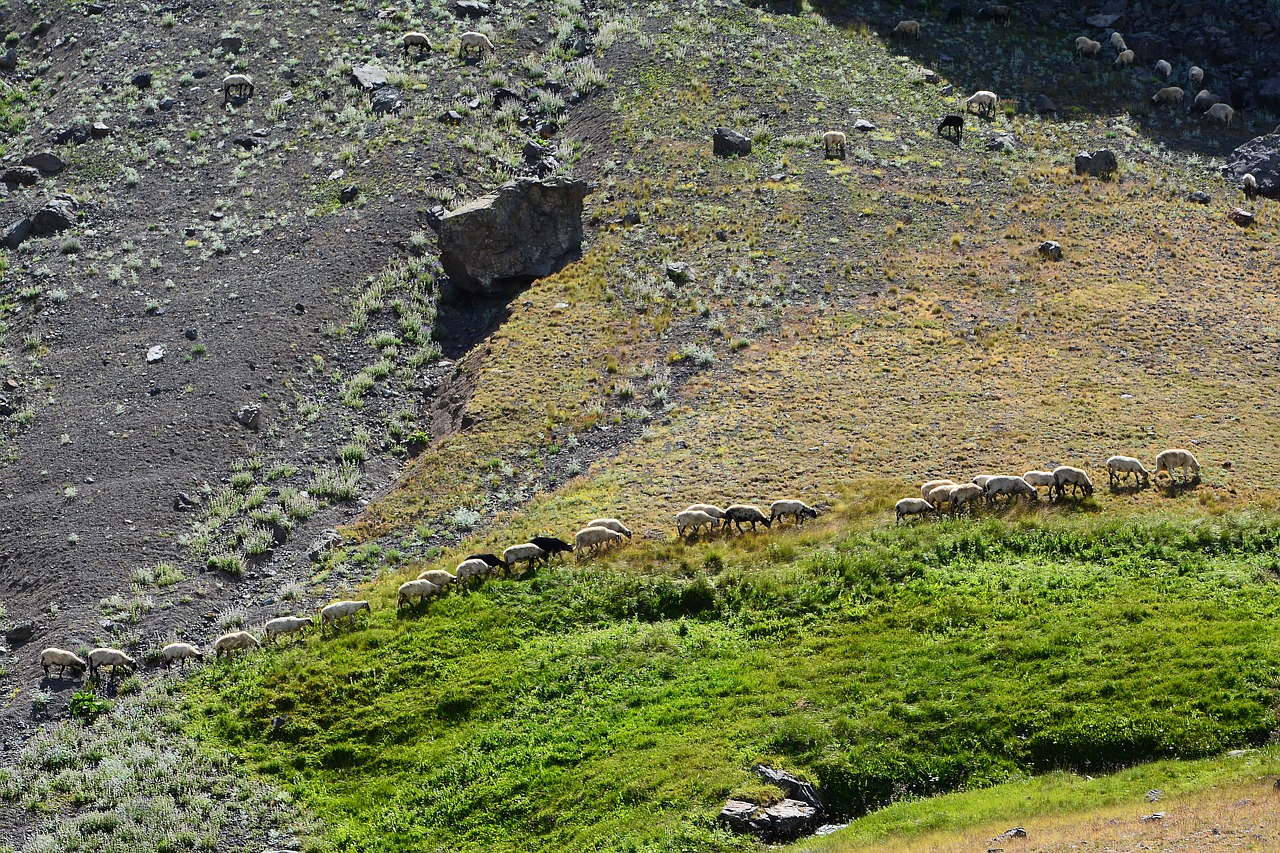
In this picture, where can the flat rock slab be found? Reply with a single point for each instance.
(369, 77)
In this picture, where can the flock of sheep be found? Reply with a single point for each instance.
(935, 494)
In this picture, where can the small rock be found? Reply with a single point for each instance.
(1201, 197)
(725, 142)
(22, 176)
(191, 334)
(322, 544)
(1100, 164)
(1226, 466)
(182, 502)
(863, 125)
(1153, 817)
(57, 215)
(502, 95)
(1241, 217)
(248, 143)
(142, 80)
(94, 9)
(534, 152)
(1154, 795)
(9, 59)
(155, 355)
(368, 77)
(450, 117)
(46, 161)
(1050, 249)
(348, 193)
(632, 218)
(247, 416)
(167, 104)
(1043, 104)
(1003, 142)
(299, 308)
(1010, 834)
(20, 633)
(99, 130)
(386, 99)
(471, 9)
(1106, 21)
(679, 272)
(77, 134)
(231, 44)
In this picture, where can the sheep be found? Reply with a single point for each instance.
(958, 496)
(62, 659)
(236, 640)
(1167, 460)
(1168, 95)
(694, 519)
(331, 614)
(1065, 475)
(422, 590)
(284, 625)
(493, 561)
(1040, 478)
(182, 652)
(1222, 112)
(1117, 42)
(1086, 46)
(931, 485)
(994, 14)
(981, 479)
(938, 495)
(833, 140)
(113, 658)
(1124, 59)
(951, 126)
(236, 86)
(1249, 184)
(612, 524)
(716, 513)
(596, 538)
(984, 100)
(1204, 99)
(907, 28)
(439, 577)
(955, 14)
(552, 545)
(1117, 465)
(1164, 68)
(471, 39)
(1195, 74)
(418, 40)
(740, 513)
(472, 568)
(799, 509)
(1010, 486)
(911, 506)
(525, 552)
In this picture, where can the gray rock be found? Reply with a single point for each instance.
(18, 230)
(1002, 142)
(94, 9)
(534, 152)
(77, 133)
(99, 130)
(57, 215)
(1100, 164)
(679, 272)
(155, 355)
(1107, 21)
(725, 143)
(23, 176)
(182, 502)
(1050, 249)
(864, 125)
(46, 161)
(231, 44)
(20, 633)
(737, 815)
(386, 99)
(525, 230)
(1010, 834)
(323, 544)
(1043, 104)
(369, 77)
(9, 59)
(471, 9)
(1201, 197)
(1259, 157)
(1241, 217)
(167, 104)
(450, 117)
(142, 80)
(248, 416)
(787, 820)
(794, 787)
(348, 193)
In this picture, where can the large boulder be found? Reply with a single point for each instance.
(783, 821)
(11, 237)
(1260, 157)
(57, 215)
(46, 161)
(1268, 94)
(725, 143)
(1100, 164)
(528, 229)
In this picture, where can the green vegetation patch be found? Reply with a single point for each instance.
(598, 707)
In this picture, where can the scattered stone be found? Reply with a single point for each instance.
(1153, 817)
(94, 9)
(1050, 249)
(679, 272)
(23, 176)
(1100, 164)
(57, 215)
(386, 99)
(534, 152)
(167, 104)
(20, 633)
(547, 129)
(369, 77)
(9, 59)
(1154, 795)
(299, 308)
(99, 130)
(19, 230)
(930, 76)
(231, 44)
(142, 80)
(1010, 834)
(348, 193)
(450, 117)
(322, 544)
(155, 355)
(525, 230)
(77, 134)
(502, 95)
(248, 143)
(1004, 142)
(470, 9)
(46, 161)
(248, 416)
(1259, 157)
(182, 502)
(864, 125)
(632, 218)
(191, 334)
(725, 142)
(1201, 197)
(1043, 104)
(1241, 217)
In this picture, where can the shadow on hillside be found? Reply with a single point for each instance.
(1178, 488)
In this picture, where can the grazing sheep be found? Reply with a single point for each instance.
(612, 524)
(552, 545)
(493, 561)
(1126, 465)
(331, 614)
(738, 514)
(981, 479)
(1222, 112)
(1117, 42)
(525, 552)
(931, 485)
(1168, 95)
(1195, 74)
(236, 86)
(62, 659)
(1078, 480)
(1164, 68)
(439, 577)
(472, 568)
(907, 28)
(911, 506)
(694, 519)
(799, 509)
(833, 140)
(1040, 478)
(995, 14)
(113, 658)
(472, 40)
(955, 14)
(939, 495)
(422, 590)
(1086, 46)
(181, 652)
(1009, 486)
(1124, 59)
(984, 100)
(418, 40)
(284, 625)
(1204, 99)
(596, 538)
(958, 496)
(1167, 460)
(951, 126)
(1249, 184)
(236, 640)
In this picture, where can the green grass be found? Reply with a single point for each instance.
(607, 707)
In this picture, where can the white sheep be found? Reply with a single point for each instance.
(1086, 46)
(693, 519)
(236, 85)
(526, 552)
(716, 513)
(1222, 112)
(1168, 95)
(113, 658)
(331, 614)
(284, 625)
(1040, 478)
(473, 40)
(181, 652)
(986, 102)
(798, 509)
(911, 506)
(1077, 479)
(939, 495)
(833, 140)
(1164, 68)
(469, 569)
(964, 493)
(1195, 74)
(1126, 465)
(234, 641)
(439, 577)
(415, 39)
(930, 485)
(1167, 460)
(1009, 486)
(907, 28)
(1124, 59)
(612, 524)
(981, 479)
(1117, 42)
(62, 659)
(1249, 185)
(422, 590)
(595, 538)
(739, 514)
